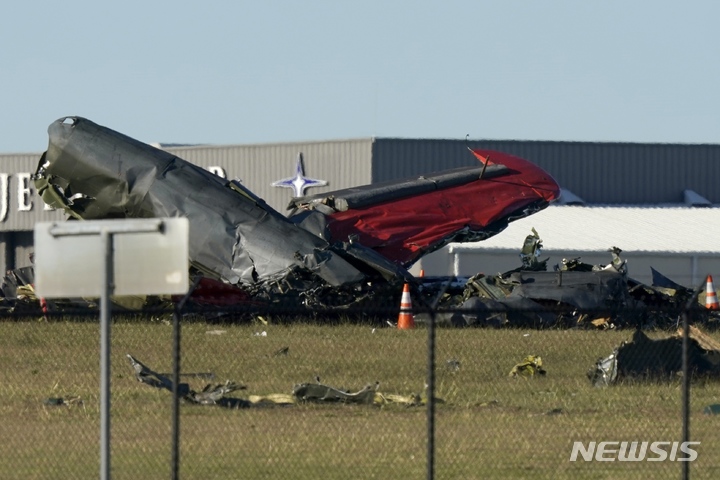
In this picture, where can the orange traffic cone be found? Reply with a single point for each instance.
(406, 319)
(711, 300)
(44, 306)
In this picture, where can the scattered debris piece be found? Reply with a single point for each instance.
(605, 371)
(408, 400)
(272, 399)
(368, 395)
(213, 394)
(317, 392)
(148, 376)
(282, 352)
(646, 358)
(210, 395)
(453, 365)
(63, 401)
(529, 367)
(530, 253)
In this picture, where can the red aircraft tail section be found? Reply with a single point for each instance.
(406, 228)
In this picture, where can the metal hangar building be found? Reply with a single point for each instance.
(621, 178)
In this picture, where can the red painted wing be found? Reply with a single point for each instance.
(404, 229)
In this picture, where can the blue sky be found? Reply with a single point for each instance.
(256, 72)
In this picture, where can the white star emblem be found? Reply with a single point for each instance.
(299, 183)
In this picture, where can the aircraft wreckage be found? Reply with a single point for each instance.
(332, 251)
(342, 249)
(572, 294)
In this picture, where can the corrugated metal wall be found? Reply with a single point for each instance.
(342, 163)
(15, 249)
(7, 258)
(20, 205)
(395, 158)
(625, 173)
(22, 248)
(600, 173)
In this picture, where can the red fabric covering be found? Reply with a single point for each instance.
(215, 292)
(402, 230)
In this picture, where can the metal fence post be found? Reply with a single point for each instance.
(685, 390)
(106, 240)
(431, 398)
(175, 456)
(175, 442)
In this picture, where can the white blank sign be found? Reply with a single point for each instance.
(69, 257)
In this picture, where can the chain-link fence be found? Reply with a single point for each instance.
(282, 394)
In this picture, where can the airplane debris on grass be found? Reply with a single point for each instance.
(645, 358)
(217, 394)
(530, 366)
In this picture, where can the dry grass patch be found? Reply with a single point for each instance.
(489, 426)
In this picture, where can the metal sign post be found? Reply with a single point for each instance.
(160, 244)
(106, 240)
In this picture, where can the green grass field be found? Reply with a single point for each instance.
(488, 426)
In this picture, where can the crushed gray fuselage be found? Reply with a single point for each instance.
(93, 172)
